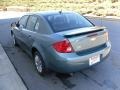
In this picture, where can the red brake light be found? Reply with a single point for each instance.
(63, 46)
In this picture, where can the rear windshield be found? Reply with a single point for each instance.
(67, 21)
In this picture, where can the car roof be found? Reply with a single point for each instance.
(47, 13)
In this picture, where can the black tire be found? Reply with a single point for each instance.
(39, 63)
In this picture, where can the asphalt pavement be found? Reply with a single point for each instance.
(104, 76)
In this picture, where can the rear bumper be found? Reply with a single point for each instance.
(71, 62)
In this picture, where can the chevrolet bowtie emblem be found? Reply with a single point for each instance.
(93, 39)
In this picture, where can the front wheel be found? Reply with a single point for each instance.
(14, 41)
(39, 63)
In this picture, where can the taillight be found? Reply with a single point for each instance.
(63, 46)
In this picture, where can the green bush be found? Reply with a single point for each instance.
(95, 7)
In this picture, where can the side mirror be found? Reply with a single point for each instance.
(13, 24)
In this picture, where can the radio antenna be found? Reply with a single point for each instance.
(60, 11)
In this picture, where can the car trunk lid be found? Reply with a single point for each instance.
(85, 38)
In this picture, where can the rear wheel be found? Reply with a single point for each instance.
(39, 63)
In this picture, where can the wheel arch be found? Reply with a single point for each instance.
(37, 47)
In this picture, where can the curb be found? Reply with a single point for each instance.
(13, 14)
(9, 78)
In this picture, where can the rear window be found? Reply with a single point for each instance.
(67, 21)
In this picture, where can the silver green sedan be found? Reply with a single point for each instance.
(65, 42)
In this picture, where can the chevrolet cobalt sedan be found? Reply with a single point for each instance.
(62, 41)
